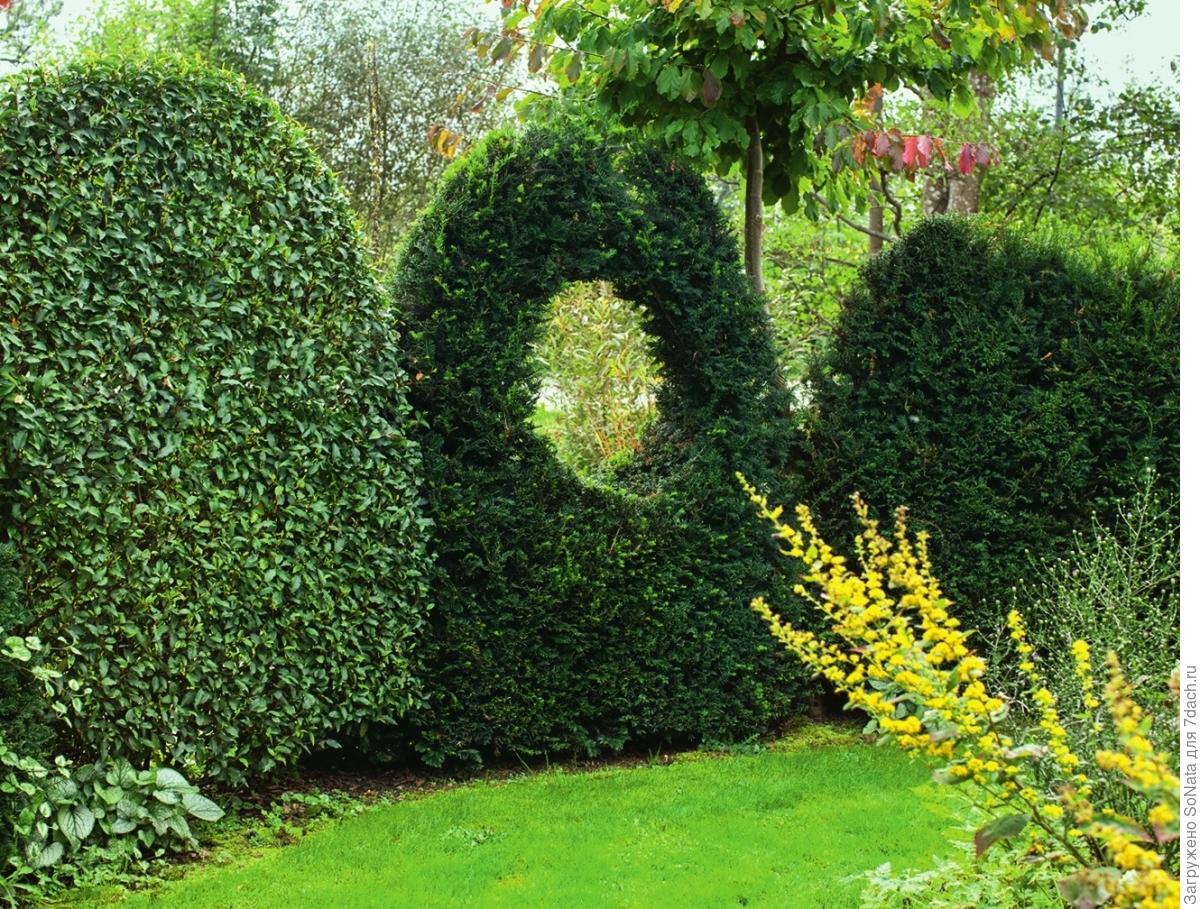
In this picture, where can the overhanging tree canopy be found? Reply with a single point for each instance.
(770, 86)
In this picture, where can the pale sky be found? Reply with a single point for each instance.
(1142, 49)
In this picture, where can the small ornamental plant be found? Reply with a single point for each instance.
(892, 647)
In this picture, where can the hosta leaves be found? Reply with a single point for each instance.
(40, 856)
(76, 821)
(201, 807)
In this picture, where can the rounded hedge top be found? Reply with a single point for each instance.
(573, 616)
(212, 499)
(1004, 389)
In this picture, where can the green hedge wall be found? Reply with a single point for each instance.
(571, 616)
(212, 495)
(1004, 389)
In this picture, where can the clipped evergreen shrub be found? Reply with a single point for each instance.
(1005, 389)
(212, 498)
(571, 616)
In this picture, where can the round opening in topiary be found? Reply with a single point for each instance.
(1004, 389)
(204, 466)
(573, 616)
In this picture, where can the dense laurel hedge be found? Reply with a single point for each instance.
(571, 616)
(213, 503)
(1003, 389)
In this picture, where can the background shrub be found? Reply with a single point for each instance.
(574, 616)
(601, 377)
(213, 505)
(1117, 588)
(1004, 389)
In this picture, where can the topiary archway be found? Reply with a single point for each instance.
(567, 616)
(202, 460)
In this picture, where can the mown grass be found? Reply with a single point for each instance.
(780, 828)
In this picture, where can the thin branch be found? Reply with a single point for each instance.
(1053, 179)
(862, 228)
(897, 212)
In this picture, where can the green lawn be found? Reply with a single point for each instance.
(776, 829)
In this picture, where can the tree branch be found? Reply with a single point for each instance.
(862, 228)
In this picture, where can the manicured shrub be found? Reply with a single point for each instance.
(212, 499)
(573, 616)
(1004, 389)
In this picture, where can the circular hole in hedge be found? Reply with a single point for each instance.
(600, 377)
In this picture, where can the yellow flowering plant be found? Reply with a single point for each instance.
(893, 648)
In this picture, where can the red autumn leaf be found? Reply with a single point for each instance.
(5, 4)
(966, 159)
(881, 145)
(924, 150)
(983, 155)
(909, 157)
(737, 18)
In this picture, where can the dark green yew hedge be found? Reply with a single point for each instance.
(1004, 389)
(571, 616)
(211, 495)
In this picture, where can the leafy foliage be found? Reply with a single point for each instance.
(212, 500)
(701, 75)
(997, 880)
(600, 377)
(891, 646)
(24, 27)
(242, 36)
(1003, 389)
(1118, 588)
(809, 268)
(24, 717)
(572, 616)
(1111, 169)
(120, 812)
(368, 81)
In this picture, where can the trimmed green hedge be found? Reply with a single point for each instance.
(1004, 389)
(569, 616)
(213, 501)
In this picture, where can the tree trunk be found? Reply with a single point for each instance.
(963, 198)
(754, 208)
(1060, 85)
(875, 215)
(875, 219)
